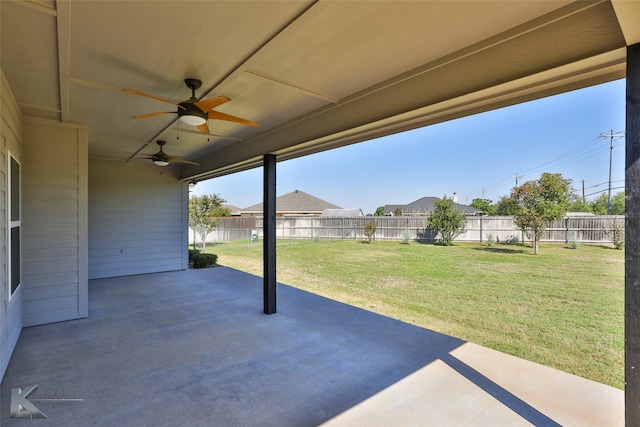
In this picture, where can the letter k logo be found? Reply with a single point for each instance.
(21, 407)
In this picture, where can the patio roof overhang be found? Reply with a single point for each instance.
(316, 75)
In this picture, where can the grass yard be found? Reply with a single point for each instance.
(563, 308)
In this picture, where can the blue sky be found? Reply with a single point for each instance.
(472, 156)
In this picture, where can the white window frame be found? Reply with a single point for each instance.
(12, 223)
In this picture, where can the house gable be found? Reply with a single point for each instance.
(424, 206)
(294, 203)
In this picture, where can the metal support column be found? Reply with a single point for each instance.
(269, 240)
(632, 238)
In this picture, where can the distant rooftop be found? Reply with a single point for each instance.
(426, 205)
(296, 202)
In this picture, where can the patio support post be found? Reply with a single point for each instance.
(632, 246)
(269, 228)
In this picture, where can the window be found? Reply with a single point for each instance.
(14, 224)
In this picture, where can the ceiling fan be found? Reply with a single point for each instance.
(192, 111)
(163, 159)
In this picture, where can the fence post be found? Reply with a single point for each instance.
(481, 221)
(566, 240)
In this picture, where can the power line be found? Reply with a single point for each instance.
(598, 192)
(589, 148)
(578, 154)
(603, 183)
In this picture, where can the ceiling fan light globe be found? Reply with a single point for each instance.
(160, 163)
(193, 120)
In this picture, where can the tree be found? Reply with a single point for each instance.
(204, 214)
(617, 203)
(379, 211)
(577, 204)
(397, 211)
(506, 207)
(446, 220)
(599, 205)
(538, 202)
(485, 206)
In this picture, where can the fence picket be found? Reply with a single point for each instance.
(592, 229)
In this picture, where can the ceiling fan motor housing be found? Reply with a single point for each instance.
(160, 158)
(191, 114)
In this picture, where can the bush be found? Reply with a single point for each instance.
(200, 260)
(369, 230)
(573, 244)
(406, 238)
(617, 235)
(490, 239)
(447, 220)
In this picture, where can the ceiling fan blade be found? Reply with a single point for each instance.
(204, 128)
(161, 113)
(211, 103)
(179, 160)
(216, 115)
(146, 95)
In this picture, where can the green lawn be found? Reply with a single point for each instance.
(563, 308)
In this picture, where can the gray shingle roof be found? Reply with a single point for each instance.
(232, 208)
(425, 205)
(296, 201)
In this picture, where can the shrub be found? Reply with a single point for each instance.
(406, 238)
(201, 260)
(573, 244)
(370, 230)
(616, 234)
(192, 254)
(490, 239)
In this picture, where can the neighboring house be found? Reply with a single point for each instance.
(424, 206)
(342, 212)
(390, 210)
(294, 203)
(235, 211)
(578, 214)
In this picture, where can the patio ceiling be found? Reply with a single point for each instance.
(315, 75)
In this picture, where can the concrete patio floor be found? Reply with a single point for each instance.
(193, 348)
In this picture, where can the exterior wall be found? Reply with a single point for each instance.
(10, 140)
(137, 219)
(54, 222)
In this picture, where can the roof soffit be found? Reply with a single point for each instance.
(536, 47)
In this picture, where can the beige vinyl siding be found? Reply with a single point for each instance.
(54, 222)
(10, 141)
(137, 217)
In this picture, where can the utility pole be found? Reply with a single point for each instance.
(611, 137)
(584, 200)
(518, 179)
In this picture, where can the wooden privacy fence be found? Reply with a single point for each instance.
(588, 229)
